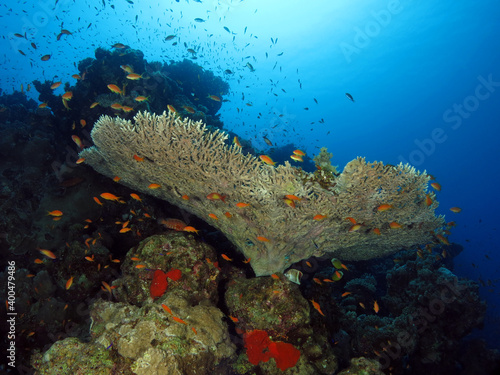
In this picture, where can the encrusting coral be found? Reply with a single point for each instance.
(336, 215)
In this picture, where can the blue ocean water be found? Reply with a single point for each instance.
(424, 76)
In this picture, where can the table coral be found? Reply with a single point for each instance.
(186, 159)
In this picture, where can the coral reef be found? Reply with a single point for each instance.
(184, 158)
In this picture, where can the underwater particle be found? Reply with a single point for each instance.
(436, 186)
(455, 209)
(319, 217)
(266, 159)
(349, 96)
(154, 186)
(317, 307)
(69, 282)
(395, 225)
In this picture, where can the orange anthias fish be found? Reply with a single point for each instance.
(436, 186)
(154, 186)
(242, 205)
(317, 306)
(213, 216)
(293, 197)
(296, 158)
(54, 213)
(299, 152)
(395, 225)
(47, 253)
(67, 95)
(376, 307)
(138, 158)
(225, 257)
(428, 200)
(110, 197)
(167, 309)
(98, 201)
(115, 89)
(77, 140)
(236, 141)
(214, 97)
(190, 229)
(455, 209)
(188, 109)
(384, 207)
(216, 196)
(376, 231)
(266, 159)
(319, 217)
(262, 239)
(134, 76)
(171, 108)
(55, 85)
(69, 282)
(179, 320)
(136, 197)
